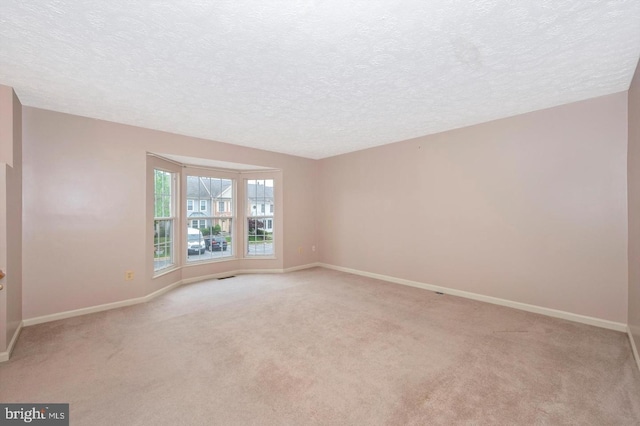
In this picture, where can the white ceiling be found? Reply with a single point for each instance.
(314, 78)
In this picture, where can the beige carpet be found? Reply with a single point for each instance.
(323, 347)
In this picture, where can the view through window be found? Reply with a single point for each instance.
(260, 217)
(163, 221)
(210, 225)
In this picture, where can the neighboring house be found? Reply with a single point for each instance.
(260, 203)
(209, 204)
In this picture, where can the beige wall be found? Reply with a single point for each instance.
(10, 215)
(634, 207)
(531, 209)
(85, 210)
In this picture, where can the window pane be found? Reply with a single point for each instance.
(163, 193)
(260, 219)
(163, 244)
(214, 218)
(163, 253)
(157, 206)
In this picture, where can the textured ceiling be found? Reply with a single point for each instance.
(314, 78)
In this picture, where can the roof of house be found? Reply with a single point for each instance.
(206, 188)
(259, 191)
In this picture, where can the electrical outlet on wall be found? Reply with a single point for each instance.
(128, 275)
(313, 248)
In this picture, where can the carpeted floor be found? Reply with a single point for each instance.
(323, 347)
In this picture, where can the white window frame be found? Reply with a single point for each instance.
(165, 194)
(213, 217)
(189, 205)
(256, 248)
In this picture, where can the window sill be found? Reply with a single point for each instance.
(163, 272)
(208, 261)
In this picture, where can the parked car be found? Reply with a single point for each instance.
(195, 241)
(216, 243)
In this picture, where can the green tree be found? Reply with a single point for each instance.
(162, 190)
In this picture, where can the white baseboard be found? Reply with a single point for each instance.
(248, 271)
(488, 299)
(148, 297)
(99, 308)
(82, 311)
(301, 267)
(633, 347)
(4, 356)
